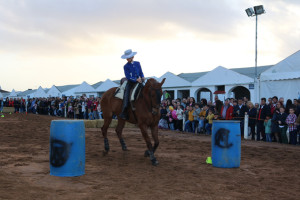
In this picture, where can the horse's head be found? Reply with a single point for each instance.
(153, 88)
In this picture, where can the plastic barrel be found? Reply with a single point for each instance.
(67, 148)
(226, 143)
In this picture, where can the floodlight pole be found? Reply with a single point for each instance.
(255, 79)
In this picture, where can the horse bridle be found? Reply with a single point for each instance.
(155, 109)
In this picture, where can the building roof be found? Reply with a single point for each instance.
(66, 87)
(250, 71)
(4, 91)
(247, 71)
(97, 84)
(26, 92)
(191, 76)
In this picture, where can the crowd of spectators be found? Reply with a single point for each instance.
(269, 121)
(73, 108)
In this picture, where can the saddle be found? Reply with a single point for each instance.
(134, 93)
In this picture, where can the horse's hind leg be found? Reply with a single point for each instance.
(119, 129)
(107, 121)
(149, 152)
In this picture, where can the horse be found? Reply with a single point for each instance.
(146, 115)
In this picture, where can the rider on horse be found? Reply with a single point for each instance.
(133, 72)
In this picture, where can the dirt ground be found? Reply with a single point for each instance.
(267, 171)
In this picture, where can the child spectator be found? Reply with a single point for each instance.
(189, 122)
(202, 116)
(291, 120)
(196, 115)
(171, 119)
(179, 114)
(267, 124)
(209, 118)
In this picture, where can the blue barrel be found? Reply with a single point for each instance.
(67, 148)
(226, 143)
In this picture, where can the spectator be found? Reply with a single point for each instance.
(282, 125)
(179, 114)
(239, 114)
(252, 112)
(264, 110)
(291, 122)
(209, 118)
(267, 124)
(189, 122)
(226, 111)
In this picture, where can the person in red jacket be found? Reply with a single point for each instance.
(226, 110)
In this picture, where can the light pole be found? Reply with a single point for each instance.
(258, 10)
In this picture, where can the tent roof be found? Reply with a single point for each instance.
(106, 85)
(66, 87)
(84, 87)
(40, 92)
(97, 84)
(250, 71)
(222, 76)
(247, 71)
(173, 81)
(191, 76)
(13, 93)
(26, 92)
(288, 68)
(4, 91)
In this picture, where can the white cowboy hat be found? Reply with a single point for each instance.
(128, 54)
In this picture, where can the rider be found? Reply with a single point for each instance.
(133, 72)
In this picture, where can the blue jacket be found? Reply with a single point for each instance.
(133, 71)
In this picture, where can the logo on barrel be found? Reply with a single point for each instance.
(221, 138)
(59, 152)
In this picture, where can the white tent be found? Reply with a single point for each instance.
(85, 88)
(106, 85)
(54, 92)
(13, 94)
(40, 92)
(222, 76)
(173, 81)
(283, 79)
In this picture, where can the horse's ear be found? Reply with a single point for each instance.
(162, 82)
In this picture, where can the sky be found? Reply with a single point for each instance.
(61, 42)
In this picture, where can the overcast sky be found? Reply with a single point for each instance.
(60, 42)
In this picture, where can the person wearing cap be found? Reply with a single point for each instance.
(133, 72)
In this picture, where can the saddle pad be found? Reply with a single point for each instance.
(133, 95)
(120, 90)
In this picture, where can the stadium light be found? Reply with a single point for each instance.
(258, 10)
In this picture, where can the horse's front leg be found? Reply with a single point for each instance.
(154, 132)
(149, 152)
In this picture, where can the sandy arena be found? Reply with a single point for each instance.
(268, 171)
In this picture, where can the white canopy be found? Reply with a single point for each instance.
(84, 87)
(288, 68)
(222, 76)
(40, 92)
(173, 81)
(106, 85)
(54, 92)
(13, 94)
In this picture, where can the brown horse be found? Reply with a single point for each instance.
(146, 115)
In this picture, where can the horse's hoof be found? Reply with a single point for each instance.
(125, 149)
(154, 162)
(147, 154)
